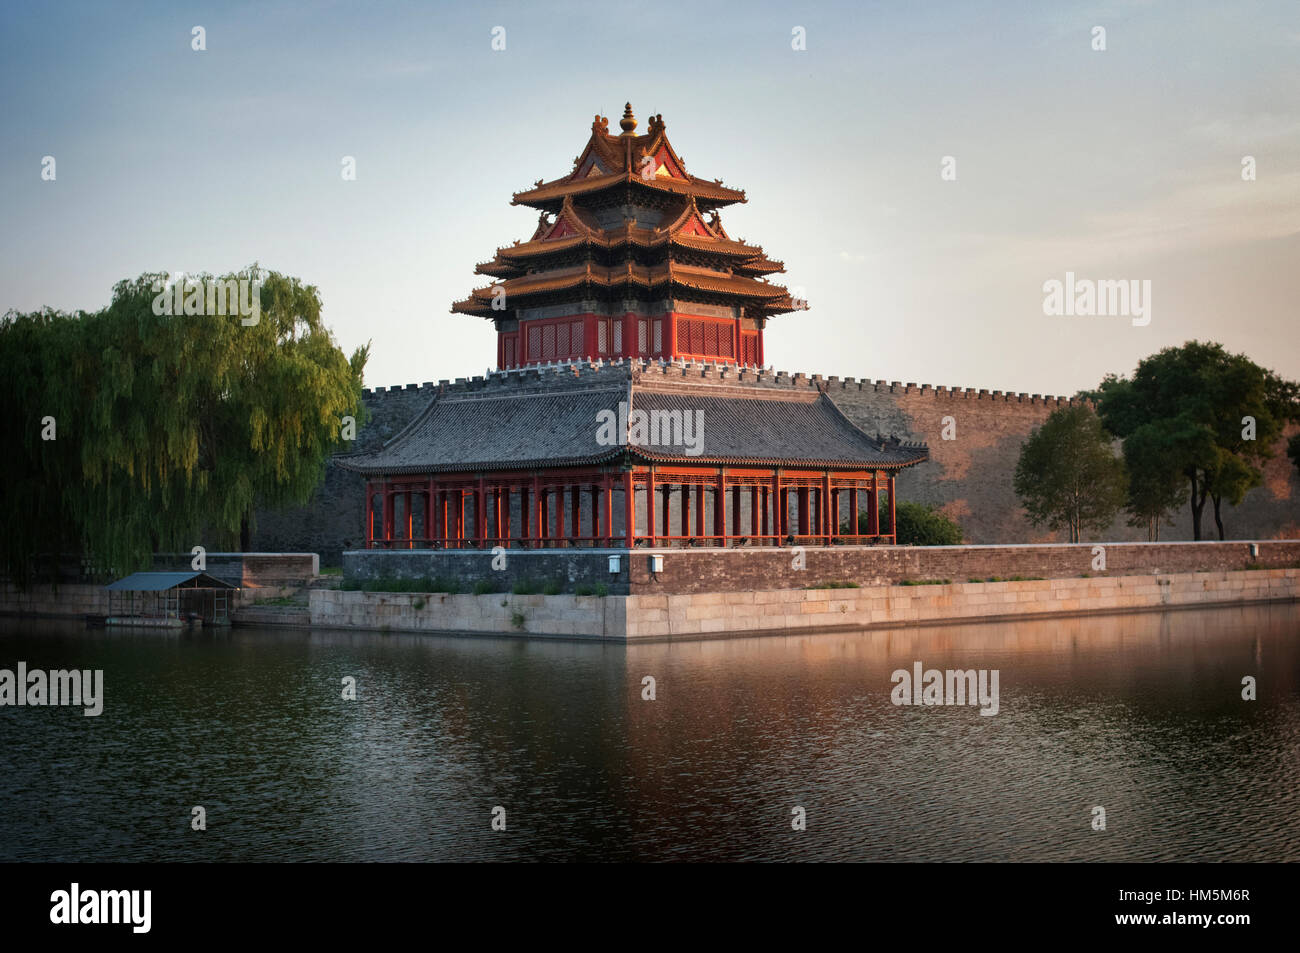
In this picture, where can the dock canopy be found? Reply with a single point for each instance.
(161, 581)
(169, 599)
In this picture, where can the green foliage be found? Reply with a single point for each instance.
(483, 587)
(1068, 476)
(167, 425)
(1182, 414)
(917, 524)
(925, 582)
(1156, 489)
(1293, 449)
(517, 620)
(835, 584)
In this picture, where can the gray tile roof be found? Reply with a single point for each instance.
(557, 425)
(161, 581)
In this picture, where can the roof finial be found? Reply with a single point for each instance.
(628, 122)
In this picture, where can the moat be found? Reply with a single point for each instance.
(1139, 714)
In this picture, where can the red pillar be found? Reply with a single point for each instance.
(609, 509)
(736, 524)
(560, 534)
(700, 496)
(686, 510)
(754, 494)
(873, 504)
(369, 515)
(410, 519)
(828, 510)
(537, 509)
(629, 508)
(668, 510)
(544, 513)
(893, 526)
(575, 507)
(804, 527)
(525, 524)
(650, 503)
(671, 320)
(503, 520)
(853, 511)
(388, 515)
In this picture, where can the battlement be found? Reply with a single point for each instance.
(731, 374)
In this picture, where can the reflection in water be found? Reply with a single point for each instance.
(1140, 714)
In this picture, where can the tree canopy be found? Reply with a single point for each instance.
(166, 425)
(1197, 415)
(1068, 477)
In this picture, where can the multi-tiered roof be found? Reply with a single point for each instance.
(629, 234)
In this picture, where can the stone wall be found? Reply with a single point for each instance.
(764, 568)
(716, 614)
(793, 610)
(496, 614)
(569, 567)
(738, 570)
(969, 477)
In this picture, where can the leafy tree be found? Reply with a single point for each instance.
(1154, 491)
(1293, 449)
(917, 524)
(1068, 476)
(172, 424)
(1211, 416)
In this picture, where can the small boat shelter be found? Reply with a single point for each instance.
(169, 600)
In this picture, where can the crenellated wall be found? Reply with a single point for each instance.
(969, 476)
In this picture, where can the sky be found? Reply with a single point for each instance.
(1123, 163)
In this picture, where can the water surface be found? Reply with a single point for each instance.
(1140, 714)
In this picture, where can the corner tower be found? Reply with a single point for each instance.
(629, 260)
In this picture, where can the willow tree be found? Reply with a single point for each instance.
(1068, 476)
(176, 425)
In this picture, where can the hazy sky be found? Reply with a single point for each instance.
(1120, 164)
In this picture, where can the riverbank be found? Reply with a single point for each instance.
(722, 614)
(824, 606)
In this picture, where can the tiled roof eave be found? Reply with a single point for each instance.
(650, 456)
(376, 469)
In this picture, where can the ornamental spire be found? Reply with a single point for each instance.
(628, 122)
